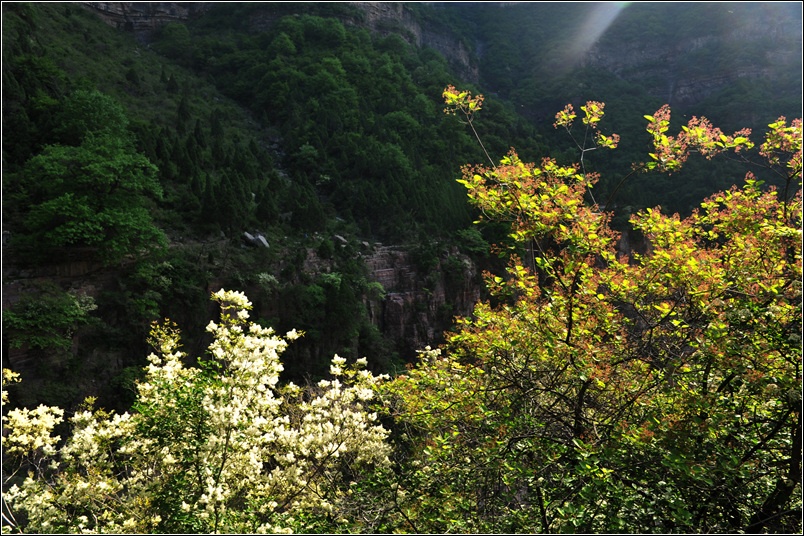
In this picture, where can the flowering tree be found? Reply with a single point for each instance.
(655, 394)
(218, 448)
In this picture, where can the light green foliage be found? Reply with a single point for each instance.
(604, 394)
(47, 319)
(89, 113)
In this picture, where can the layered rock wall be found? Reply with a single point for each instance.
(742, 43)
(394, 17)
(418, 307)
(144, 18)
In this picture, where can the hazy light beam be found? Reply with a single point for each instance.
(601, 16)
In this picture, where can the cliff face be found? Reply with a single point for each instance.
(684, 65)
(419, 307)
(394, 17)
(418, 304)
(144, 18)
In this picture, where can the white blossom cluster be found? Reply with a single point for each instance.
(217, 448)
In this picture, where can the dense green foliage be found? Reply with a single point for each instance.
(116, 148)
(47, 321)
(87, 189)
(131, 168)
(357, 116)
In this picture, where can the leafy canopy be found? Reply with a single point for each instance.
(605, 393)
(90, 189)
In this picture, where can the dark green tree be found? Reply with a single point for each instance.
(91, 191)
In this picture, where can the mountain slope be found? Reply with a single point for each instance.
(318, 127)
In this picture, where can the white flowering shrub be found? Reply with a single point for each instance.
(218, 448)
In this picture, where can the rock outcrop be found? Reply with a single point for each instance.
(144, 18)
(395, 17)
(418, 307)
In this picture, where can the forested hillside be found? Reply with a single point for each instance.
(609, 291)
(315, 137)
(317, 127)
